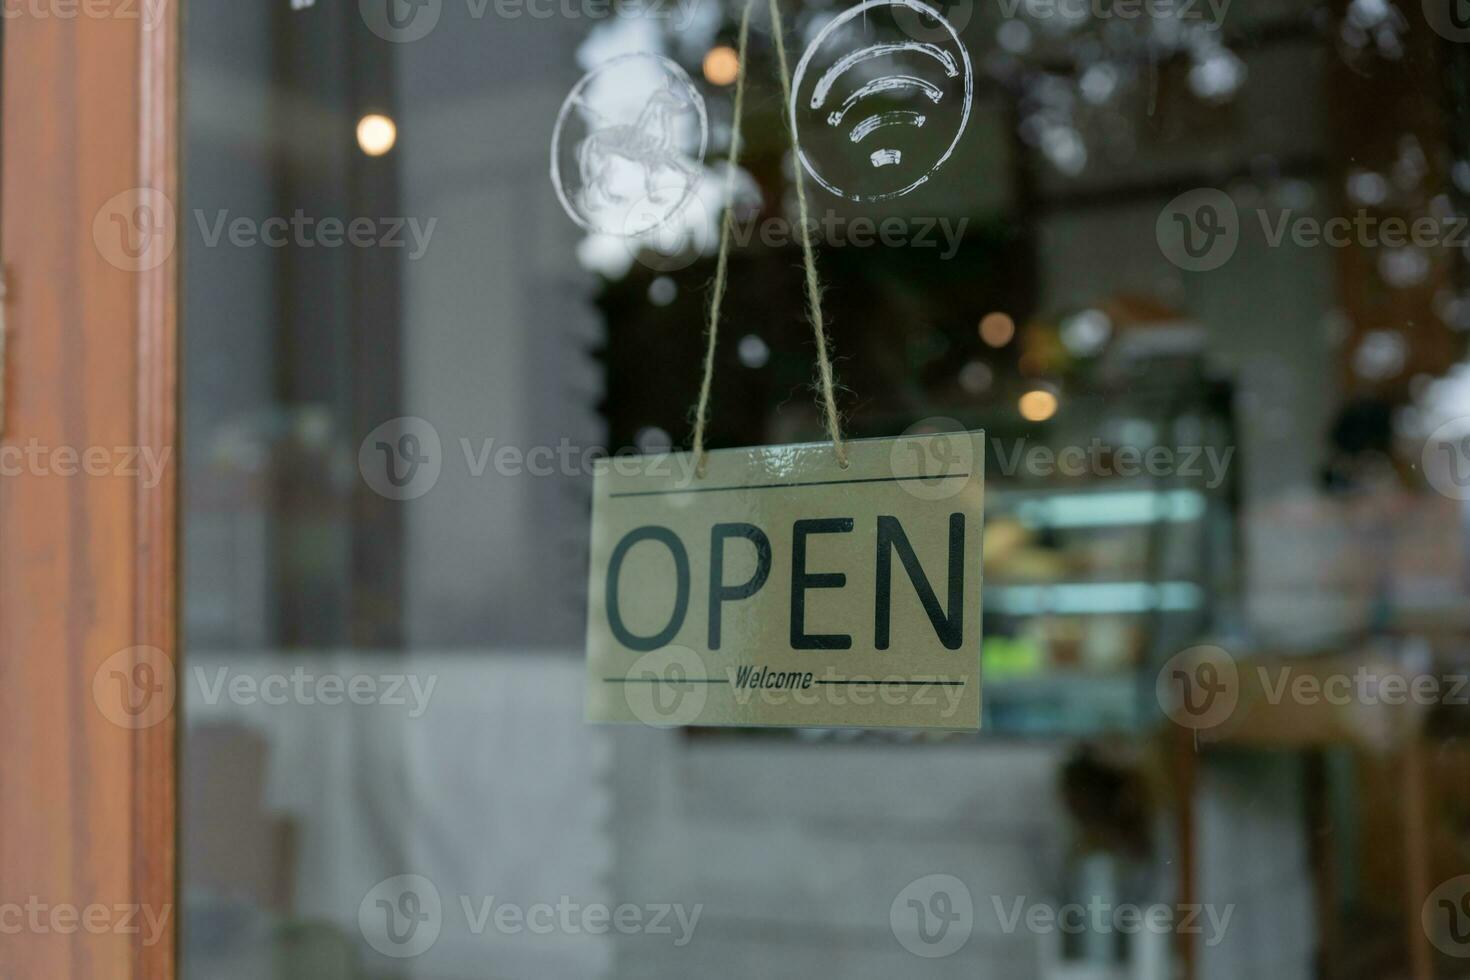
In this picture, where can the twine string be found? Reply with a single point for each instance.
(722, 262)
(825, 377)
(813, 285)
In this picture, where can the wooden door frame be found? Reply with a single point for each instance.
(88, 566)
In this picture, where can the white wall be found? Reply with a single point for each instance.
(798, 849)
(497, 323)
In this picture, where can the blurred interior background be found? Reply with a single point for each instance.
(1310, 375)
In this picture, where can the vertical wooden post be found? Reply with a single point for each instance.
(1184, 761)
(1416, 854)
(87, 534)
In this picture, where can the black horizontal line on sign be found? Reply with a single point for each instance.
(898, 683)
(664, 680)
(714, 680)
(786, 486)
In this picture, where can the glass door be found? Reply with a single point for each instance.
(1192, 267)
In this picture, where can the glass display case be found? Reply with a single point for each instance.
(1110, 545)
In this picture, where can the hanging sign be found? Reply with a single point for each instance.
(780, 588)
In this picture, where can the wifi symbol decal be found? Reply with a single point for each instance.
(903, 97)
(889, 83)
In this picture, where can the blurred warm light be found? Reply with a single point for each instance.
(1037, 405)
(722, 65)
(997, 329)
(376, 134)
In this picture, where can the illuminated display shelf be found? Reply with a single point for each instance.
(1089, 590)
(1093, 581)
